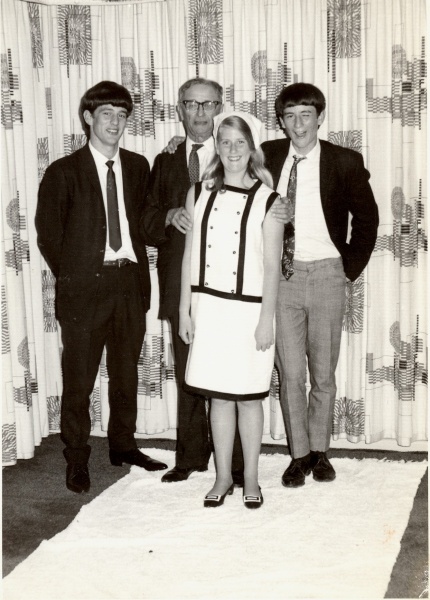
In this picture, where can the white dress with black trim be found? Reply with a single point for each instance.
(227, 288)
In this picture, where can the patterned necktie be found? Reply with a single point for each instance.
(289, 231)
(194, 165)
(112, 208)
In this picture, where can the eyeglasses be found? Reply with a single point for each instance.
(208, 106)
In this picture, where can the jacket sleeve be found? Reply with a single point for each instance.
(51, 215)
(152, 222)
(364, 219)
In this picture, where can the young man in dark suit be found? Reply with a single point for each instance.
(87, 221)
(165, 221)
(323, 185)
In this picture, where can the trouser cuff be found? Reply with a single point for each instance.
(77, 455)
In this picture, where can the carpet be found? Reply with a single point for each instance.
(143, 539)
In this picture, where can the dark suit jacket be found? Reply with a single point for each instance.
(72, 227)
(168, 186)
(344, 188)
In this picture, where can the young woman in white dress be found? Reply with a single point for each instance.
(230, 278)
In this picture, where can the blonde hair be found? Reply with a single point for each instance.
(255, 168)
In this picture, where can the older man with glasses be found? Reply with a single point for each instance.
(165, 221)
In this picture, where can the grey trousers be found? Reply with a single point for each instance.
(309, 317)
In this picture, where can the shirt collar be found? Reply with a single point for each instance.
(100, 159)
(209, 144)
(312, 155)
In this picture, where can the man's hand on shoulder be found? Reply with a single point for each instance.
(179, 218)
(281, 210)
(173, 144)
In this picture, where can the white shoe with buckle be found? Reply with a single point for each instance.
(253, 501)
(214, 500)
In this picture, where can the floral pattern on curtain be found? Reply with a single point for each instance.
(368, 57)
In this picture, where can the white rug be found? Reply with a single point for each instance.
(143, 539)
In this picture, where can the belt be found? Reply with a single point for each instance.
(118, 263)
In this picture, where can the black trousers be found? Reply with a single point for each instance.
(193, 447)
(118, 323)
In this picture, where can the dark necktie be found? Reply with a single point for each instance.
(194, 165)
(112, 208)
(289, 231)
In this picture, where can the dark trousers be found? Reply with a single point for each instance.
(118, 323)
(193, 447)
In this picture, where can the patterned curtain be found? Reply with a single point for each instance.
(368, 57)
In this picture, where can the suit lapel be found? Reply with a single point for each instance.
(178, 182)
(127, 182)
(326, 174)
(181, 164)
(88, 166)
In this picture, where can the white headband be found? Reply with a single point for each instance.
(254, 124)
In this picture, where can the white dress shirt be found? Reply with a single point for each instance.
(312, 239)
(126, 250)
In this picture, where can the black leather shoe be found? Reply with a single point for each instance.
(214, 500)
(238, 478)
(78, 478)
(135, 457)
(181, 474)
(294, 475)
(321, 467)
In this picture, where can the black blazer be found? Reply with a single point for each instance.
(344, 189)
(72, 227)
(168, 186)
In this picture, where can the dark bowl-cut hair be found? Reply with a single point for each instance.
(298, 94)
(104, 92)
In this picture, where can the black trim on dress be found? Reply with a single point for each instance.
(224, 395)
(201, 289)
(197, 190)
(242, 243)
(239, 190)
(270, 200)
(204, 235)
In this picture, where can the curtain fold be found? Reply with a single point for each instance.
(369, 59)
